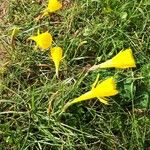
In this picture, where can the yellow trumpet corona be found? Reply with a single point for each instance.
(53, 5)
(124, 59)
(43, 40)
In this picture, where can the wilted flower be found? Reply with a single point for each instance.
(100, 90)
(43, 40)
(15, 32)
(56, 54)
(53, 5)
(124, 59)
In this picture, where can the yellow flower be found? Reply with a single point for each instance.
(56, 54)
(124, 59)
(43, 40)
(99, 90)
(53, 5)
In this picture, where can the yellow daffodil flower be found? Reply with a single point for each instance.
(100, 90)
(43, 40)
(53, 5)
(56, 54)
(124, 59)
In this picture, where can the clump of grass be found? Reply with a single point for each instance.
(90, 32)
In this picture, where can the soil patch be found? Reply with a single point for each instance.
(3, 52)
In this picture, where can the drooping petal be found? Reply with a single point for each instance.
(103, 100)
(124, 59)
(43, 40)
(56, 54)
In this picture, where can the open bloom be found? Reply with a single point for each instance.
(43, 40)
(53, 5)
(56, 54)
(100, 90)
(124, 59)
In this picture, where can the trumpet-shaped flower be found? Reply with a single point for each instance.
(56, 54)
(100, 90)
(124, 59)
(53, 5)
(43, 40)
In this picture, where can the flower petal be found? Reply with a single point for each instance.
(103, 100)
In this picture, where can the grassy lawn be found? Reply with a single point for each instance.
(90, 32)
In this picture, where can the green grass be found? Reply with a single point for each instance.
(89, 32)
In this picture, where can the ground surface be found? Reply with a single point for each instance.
(3, 49)
(90, 32)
